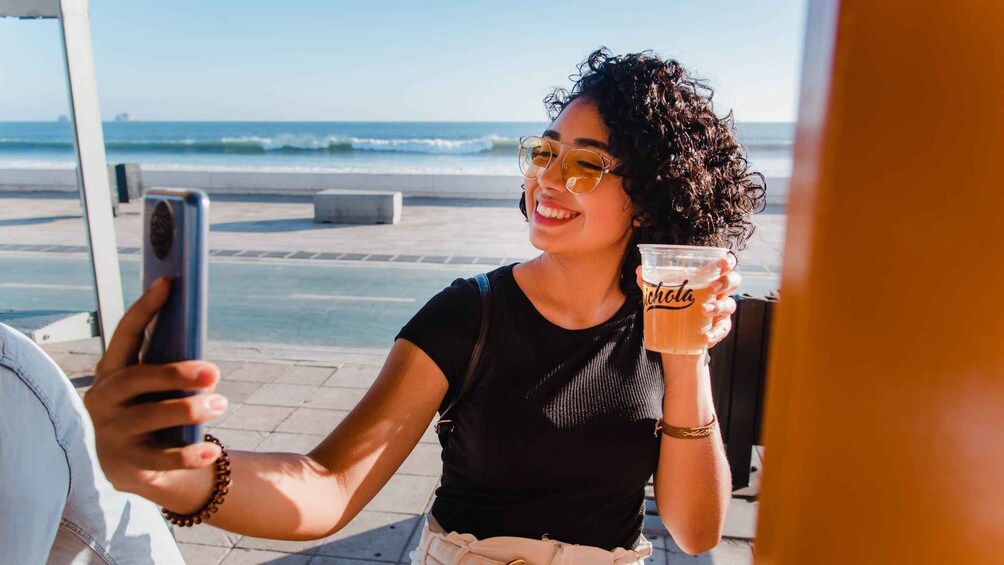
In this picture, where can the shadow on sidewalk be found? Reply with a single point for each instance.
(42, 195)
(463, 202)
(36, 221)
(389, 542)
(274, 226)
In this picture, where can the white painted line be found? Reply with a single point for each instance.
(47, 286)
(352, 298)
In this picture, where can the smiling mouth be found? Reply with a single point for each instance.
(554, 213)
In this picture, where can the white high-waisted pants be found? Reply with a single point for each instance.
(438, 547)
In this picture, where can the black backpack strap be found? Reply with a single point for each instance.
(444, 424)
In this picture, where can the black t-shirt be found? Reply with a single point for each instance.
(555, 436)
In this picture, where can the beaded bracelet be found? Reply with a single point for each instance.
(686, 433)
(215, 499)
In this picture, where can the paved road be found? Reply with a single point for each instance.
(303, 302)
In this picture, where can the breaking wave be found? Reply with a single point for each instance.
(290, 144)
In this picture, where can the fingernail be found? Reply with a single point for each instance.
(708, 308)
(205, 373)
(216, 403)
(716, 286)
(158, 283)
(208, 454)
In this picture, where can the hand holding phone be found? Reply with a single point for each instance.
(175, 240)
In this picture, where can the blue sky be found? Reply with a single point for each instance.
(395, 60)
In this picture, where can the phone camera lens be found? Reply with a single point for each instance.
(161, 230)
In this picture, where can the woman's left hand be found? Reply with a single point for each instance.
(720, 309)
(723, 306)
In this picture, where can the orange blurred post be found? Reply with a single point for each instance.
(885, 406)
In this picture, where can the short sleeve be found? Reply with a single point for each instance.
(446, 329)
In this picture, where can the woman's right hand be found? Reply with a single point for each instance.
(131, 460)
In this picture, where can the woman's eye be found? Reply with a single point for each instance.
(590, 166)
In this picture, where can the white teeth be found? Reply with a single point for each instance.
(555, 214)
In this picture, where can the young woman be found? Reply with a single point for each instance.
(553, 445)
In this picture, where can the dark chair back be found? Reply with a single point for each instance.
(738, 373)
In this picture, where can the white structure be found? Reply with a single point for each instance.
(92, 172)
(335, 206)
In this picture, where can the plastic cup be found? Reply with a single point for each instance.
(676, 283)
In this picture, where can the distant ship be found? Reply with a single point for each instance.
(63, 119)
(126, 117)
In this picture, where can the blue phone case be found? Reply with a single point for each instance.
(175, 240)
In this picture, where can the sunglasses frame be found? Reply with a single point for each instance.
(604, 160)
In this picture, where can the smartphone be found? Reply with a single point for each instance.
(175, 240)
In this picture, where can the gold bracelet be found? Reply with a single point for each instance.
(220, 489)
(686, 433)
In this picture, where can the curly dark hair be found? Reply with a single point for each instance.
(686, 175)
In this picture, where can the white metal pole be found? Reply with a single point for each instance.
(92, 171)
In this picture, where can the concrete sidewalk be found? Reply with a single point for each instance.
(287, 398)
(437, 229)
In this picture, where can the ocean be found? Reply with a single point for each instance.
(350, 147)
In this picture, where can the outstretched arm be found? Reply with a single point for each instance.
(273, 495)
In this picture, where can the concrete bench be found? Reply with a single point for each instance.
(335, 206)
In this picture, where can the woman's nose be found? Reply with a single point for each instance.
(551, 176)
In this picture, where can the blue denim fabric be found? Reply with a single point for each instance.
(56, 506)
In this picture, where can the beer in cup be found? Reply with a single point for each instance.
(676, 283)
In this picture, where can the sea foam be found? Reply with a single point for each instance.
(428, 146)
(288, 142)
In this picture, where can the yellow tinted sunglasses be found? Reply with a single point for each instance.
(581, 169)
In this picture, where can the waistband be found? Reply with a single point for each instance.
(438, 547)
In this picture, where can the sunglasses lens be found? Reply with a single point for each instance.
(581, 170)
(534, 155)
